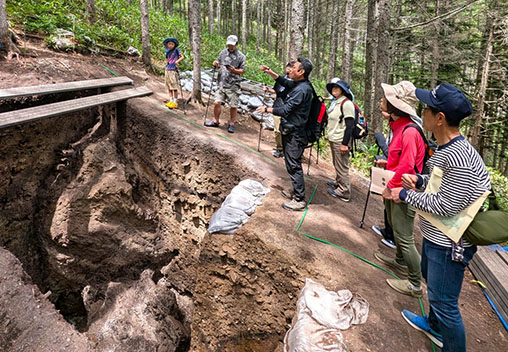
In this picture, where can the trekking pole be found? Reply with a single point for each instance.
(263, 118)
(310, 158)
(366, 202)
(209, 95)
(317, 157)
(181, 92)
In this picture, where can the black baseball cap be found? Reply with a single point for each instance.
(448, 99)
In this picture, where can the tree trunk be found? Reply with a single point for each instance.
(195, 42)
(233, 17)
(145, 34)
(210, 16)
(219, 28)
(346, 44)
(434, 66)
(480, 104)
(269, 27)
(370, 60)
(334, 34)
(90, 11)
(310, 28)
(258, 26)
(244, 26)
(297, 29)
(382, 58)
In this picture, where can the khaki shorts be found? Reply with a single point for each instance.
(228, 95)
(171, 80)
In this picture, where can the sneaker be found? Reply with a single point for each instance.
(392, 263)
(332, 184)
(422, 324)
(338, 195)
(404, 287)
(378, 230)
(287, 194)
(211, 124)
(170, 104)
(231, 128)
(388, 243)
(277, 153)
(295, 205)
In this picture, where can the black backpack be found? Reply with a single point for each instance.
(361, 129)
(430, 148)
(318, 118)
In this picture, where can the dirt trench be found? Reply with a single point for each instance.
(109, 225)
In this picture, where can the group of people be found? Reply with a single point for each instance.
(455, 165)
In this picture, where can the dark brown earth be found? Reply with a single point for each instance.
(114, 225)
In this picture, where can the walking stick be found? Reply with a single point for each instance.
(209, 95)
(366, 202)
(310, 157)
(181, 92)
(263, 116)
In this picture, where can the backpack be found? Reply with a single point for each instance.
(488, 227)
(317, 120)
(430, 148)
(361, 129)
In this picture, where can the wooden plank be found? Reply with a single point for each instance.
(64, 87)
(482, 274)
(498, 302)
(39, 112)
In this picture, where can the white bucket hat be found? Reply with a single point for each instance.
(402, 96)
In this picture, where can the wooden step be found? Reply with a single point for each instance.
(40, 112)
(491, 268)
(9, 93)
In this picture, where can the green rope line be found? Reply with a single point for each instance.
(306, 208)
(110, 71)
(368, 262)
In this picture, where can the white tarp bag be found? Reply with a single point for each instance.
(238, 206)
(320, 315)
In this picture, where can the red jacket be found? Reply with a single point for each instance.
(405, 151)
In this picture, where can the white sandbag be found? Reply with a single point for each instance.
(241, 200)
(255, 188)
(320, 315)
(227, 220)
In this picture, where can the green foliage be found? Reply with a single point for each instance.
(500, 186)
(364, 156)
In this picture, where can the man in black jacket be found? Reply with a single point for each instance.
(294, 113)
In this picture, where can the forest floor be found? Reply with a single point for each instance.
(327, 218)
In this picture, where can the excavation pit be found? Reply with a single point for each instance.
(110, 224)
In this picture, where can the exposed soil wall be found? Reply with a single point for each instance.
(113, 227)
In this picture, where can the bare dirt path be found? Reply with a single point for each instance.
(327, 218)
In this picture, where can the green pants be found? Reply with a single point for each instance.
(401, 218)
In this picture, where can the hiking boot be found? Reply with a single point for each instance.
(277, 153)
(422, 324)
(338, 195)
(332, 184)
(287, 194)
(404, 287)
(295, 205)
(231, 128)
(392, 263)
(388, 243)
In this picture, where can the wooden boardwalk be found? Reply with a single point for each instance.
(10, 93)
(490, 266)
(39, 112)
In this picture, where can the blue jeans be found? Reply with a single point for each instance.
(444, 281)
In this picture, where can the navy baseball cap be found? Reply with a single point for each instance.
(447, 99)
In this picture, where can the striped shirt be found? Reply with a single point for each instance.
(465, 179)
